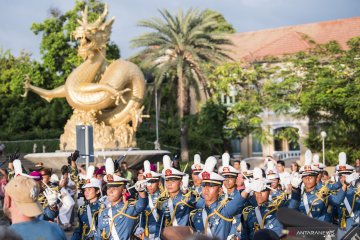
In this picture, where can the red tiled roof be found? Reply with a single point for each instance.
(251, 46)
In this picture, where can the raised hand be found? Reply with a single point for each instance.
(14, 156)
(51, 196)
(295, 181)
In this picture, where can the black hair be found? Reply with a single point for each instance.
(281, 162)
(64, 169)
(325, 173)
(47, 171)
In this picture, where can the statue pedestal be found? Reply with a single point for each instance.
(105, 135)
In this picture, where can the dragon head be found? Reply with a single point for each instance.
(92, 37)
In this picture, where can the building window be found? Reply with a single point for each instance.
(256, 146)
(235, 145)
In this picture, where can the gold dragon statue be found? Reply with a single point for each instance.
(107, 96)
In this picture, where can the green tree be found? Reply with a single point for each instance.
(58, 50)
(177, 48)
(26, 118)
(244, 87)
(206, 129)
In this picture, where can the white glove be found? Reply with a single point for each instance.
(51, 196)
(140, 185)
(139, 231)
(185, 182)
(295, 181)
(247, 184)
(351, 178)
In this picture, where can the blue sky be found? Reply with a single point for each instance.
(245, 15)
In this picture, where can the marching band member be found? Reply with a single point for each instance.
(196, 168)
(150, 217)
(320, 166)
(215, 218)
(230, 174)
(117, 221)
(313, 202)
(262, 216)
(175, 207)
(273, 176)
(88, 213)
(247, 175)
(348, 211)
(330, 185)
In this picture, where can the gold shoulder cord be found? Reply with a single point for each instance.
(344, 215)
(174, 213)
(246, 211)
(319, 196)
(216, 211)
(267, 214)
(92, 224)
(147, 214)
(183, 201)
(121, 212)
(277, 201)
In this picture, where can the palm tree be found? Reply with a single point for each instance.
(178, 47)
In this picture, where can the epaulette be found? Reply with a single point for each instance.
(333, 192)
(196, 194)
(162, 199)
(323, 191)
(102, 208)
(193, 213)
(246, 211)
(160, 202)
(81, 209)
(224, 201)
(278, 200)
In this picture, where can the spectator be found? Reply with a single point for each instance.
(236, 164)
(240, 182)
(46, 174)
(67, 194)
(295, 169)
(125, 173)
(140, 175)
(3, 182)
(357, 165)
(325, 177)
(100, 173)
(22, 207)
(284, 176)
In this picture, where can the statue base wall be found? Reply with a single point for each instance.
(105, 137)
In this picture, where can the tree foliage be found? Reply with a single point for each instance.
(176, 49)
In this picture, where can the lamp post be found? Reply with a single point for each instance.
(323, 136)
(157, 143)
